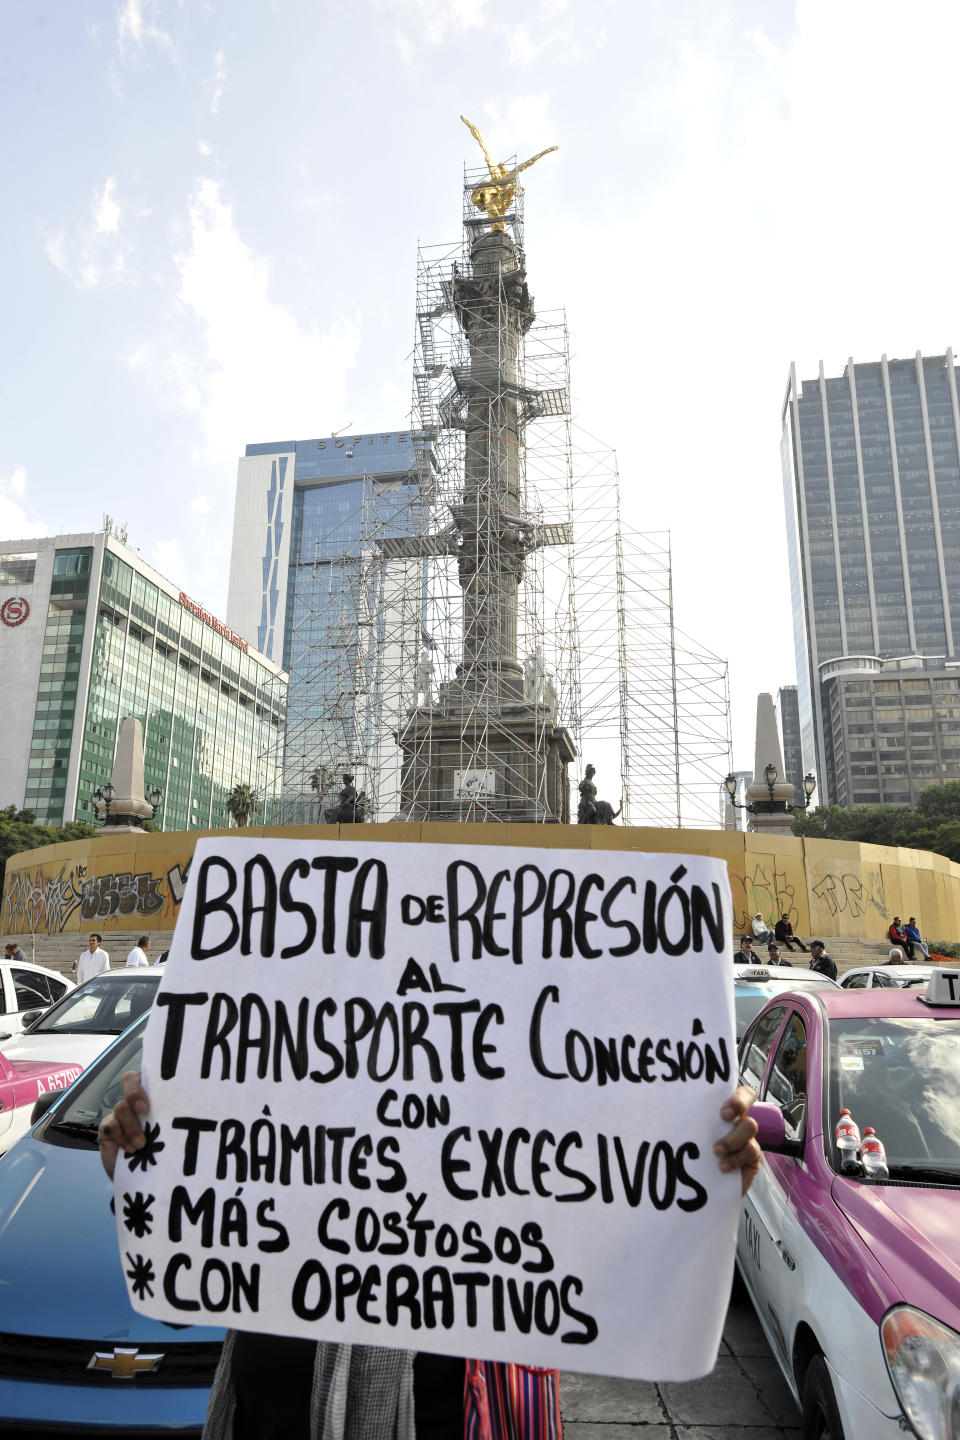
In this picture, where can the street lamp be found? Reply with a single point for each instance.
(156, 795)
(771, 806)
(103, 799)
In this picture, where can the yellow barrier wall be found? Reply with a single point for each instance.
(128, 882)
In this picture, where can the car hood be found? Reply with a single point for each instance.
(914, 1233)
(57, 1049)
(60, 1267)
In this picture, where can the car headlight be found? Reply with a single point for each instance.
(923, 1358)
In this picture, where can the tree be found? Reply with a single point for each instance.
(321, 781)
(242, 803)
(933, 825)
(19, 831)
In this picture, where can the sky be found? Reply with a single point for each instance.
(212, 210)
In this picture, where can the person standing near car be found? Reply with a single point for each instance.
(895, 957)
(138, 955)
(821, 961)
(93, 960)
(14, 954)
(783, 931)
(774, 957)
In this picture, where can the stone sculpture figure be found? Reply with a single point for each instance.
(351, 805)
(592, 811)
(424, 679)
(534, 675)
(550, 699)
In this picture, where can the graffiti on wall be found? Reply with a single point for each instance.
(121, 894)
(847, 894)
(767, 890)
(40, 901)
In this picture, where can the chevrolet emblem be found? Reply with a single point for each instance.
(124, 1362)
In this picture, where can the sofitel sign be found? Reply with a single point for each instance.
(212, 621)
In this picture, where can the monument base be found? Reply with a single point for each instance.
(521, 777)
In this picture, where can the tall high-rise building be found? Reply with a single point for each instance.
(310, 580)
(871, 472)
(791, 743)
(91, 634)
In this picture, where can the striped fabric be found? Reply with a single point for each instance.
(511, 1402)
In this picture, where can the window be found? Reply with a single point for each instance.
(33, 990)
(788, 1077)
(756, 1046)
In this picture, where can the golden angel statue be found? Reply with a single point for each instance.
(495, 196)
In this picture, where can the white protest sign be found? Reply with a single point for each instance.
(449, 1098)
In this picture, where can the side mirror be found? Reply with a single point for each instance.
(30, 1018)
(42, 1104)
(771, 1130)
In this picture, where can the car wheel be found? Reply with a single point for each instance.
(821, 1418)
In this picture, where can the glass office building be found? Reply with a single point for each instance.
(105, 636)
(308, 577)
(871, 473)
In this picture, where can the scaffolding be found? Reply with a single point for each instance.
(492, 604)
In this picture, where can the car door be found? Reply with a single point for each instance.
(771, 1229)
(7, 1099)
(756, 1248)
(32, 990)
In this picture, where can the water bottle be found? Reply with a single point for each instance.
(848, 1142)
(873, 1156)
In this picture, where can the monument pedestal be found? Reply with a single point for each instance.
(525, 759)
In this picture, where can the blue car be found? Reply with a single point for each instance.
(75, 1358)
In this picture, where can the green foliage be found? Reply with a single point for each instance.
(933, 825)
(19, 831)
(242, 803)
(947, 948)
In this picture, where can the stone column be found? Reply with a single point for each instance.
(494, 309)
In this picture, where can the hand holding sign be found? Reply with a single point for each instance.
(403, 1097)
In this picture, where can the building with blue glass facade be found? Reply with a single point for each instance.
(90, 634)
(309, 580)
(871, 474)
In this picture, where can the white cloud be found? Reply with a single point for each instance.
(522, 127)
(138, 24)
(14, 519)
(257, 373)
(167, 557)
(199, 507)
(220, 76)
(95, 252)
(106, 209)
(433, 20)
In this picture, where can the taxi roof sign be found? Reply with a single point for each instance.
(943, 988)
(752, 972)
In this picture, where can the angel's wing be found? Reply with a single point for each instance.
(534, 158)
(483, 144)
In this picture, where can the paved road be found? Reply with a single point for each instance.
(745, 1397)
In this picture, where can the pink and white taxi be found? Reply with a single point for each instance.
(851, 1253)
(22, 1082)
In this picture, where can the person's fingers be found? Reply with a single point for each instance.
(738, 1149)
(121, 1129)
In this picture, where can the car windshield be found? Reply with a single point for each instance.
(101, 1007)
(748, 1003)
(903, 1078)
(95, 1093)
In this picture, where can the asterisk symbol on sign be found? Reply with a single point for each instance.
(149, 1150)
(140, 1275)
(137, 1215)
